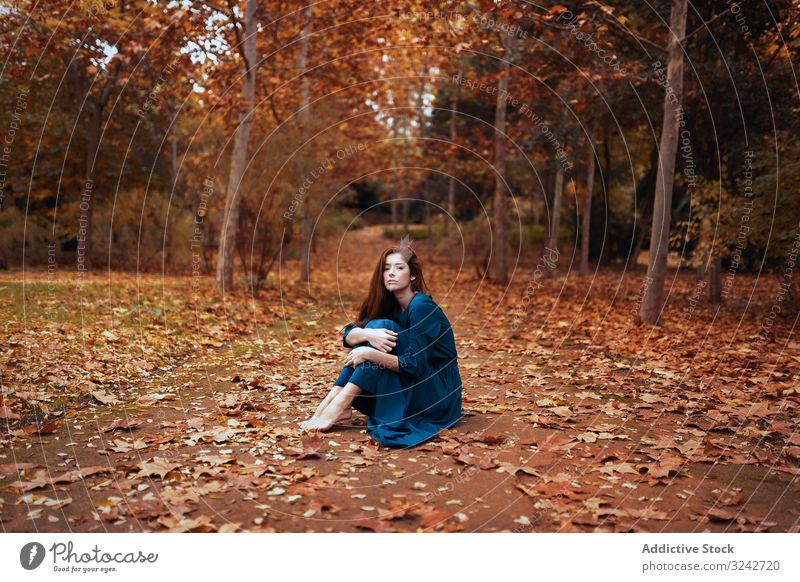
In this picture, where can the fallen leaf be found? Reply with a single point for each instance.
(127, 425)
(313, 445)
(157, 466)
(375, 525)
(33, 499)
(43, 429)
(104, 397)
(611, 468)
(7, 413)
(15, 468)
(512, 469)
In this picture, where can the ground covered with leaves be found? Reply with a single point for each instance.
(149, 403)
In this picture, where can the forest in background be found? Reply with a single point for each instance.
(227, 137)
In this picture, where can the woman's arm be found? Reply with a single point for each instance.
(414, 361)
(384, 360)
(425, 329)
(355, 336)
(381, 339)
(367, 354)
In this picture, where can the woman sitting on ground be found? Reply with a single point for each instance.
(402, 372)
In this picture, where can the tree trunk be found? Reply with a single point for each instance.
(500, 218)
(605, 176)
(645, 191)
(85, 219)
(406, 182)
(422, 122)
(711, 263)
(451, 185)
(587, 209)
(651, 308)
(393, 194)
(715, 271)
(555, 219)
(240, 247)
(647, 212)
(536, 195)
(558, 194)
(173, 173)
(394, 181)
(230, 221)
(536, 220)
(307, 222)
(96, 106)
(428, 221)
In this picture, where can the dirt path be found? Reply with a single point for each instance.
(559, 437)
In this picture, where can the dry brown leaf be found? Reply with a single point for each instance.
(104, 397)
(41, 429)
(156, 466)
(122, 424)
(313, 445)
(15, 468)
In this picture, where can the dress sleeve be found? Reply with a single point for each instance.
(344, 335)
(424, 328)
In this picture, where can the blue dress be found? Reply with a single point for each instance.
(409, 407)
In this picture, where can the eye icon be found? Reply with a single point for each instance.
(31, 555)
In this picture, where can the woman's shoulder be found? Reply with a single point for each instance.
(423, 303)
(422, 297)
(424, 311)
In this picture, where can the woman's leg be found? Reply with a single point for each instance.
(341, 382)
(324, 404)
(327, 417)
(337, 410)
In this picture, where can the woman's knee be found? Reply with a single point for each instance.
(383, 323)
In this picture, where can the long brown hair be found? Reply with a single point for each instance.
(380, 302)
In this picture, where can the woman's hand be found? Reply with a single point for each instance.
(382, 339)
(358, 356)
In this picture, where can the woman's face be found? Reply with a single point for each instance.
(396, 274)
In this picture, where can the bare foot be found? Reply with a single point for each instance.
(322, 406)
(346, 416)
(323, 426)
(334, 413)
(307, 424)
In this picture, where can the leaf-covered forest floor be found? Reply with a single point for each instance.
(149, 403)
